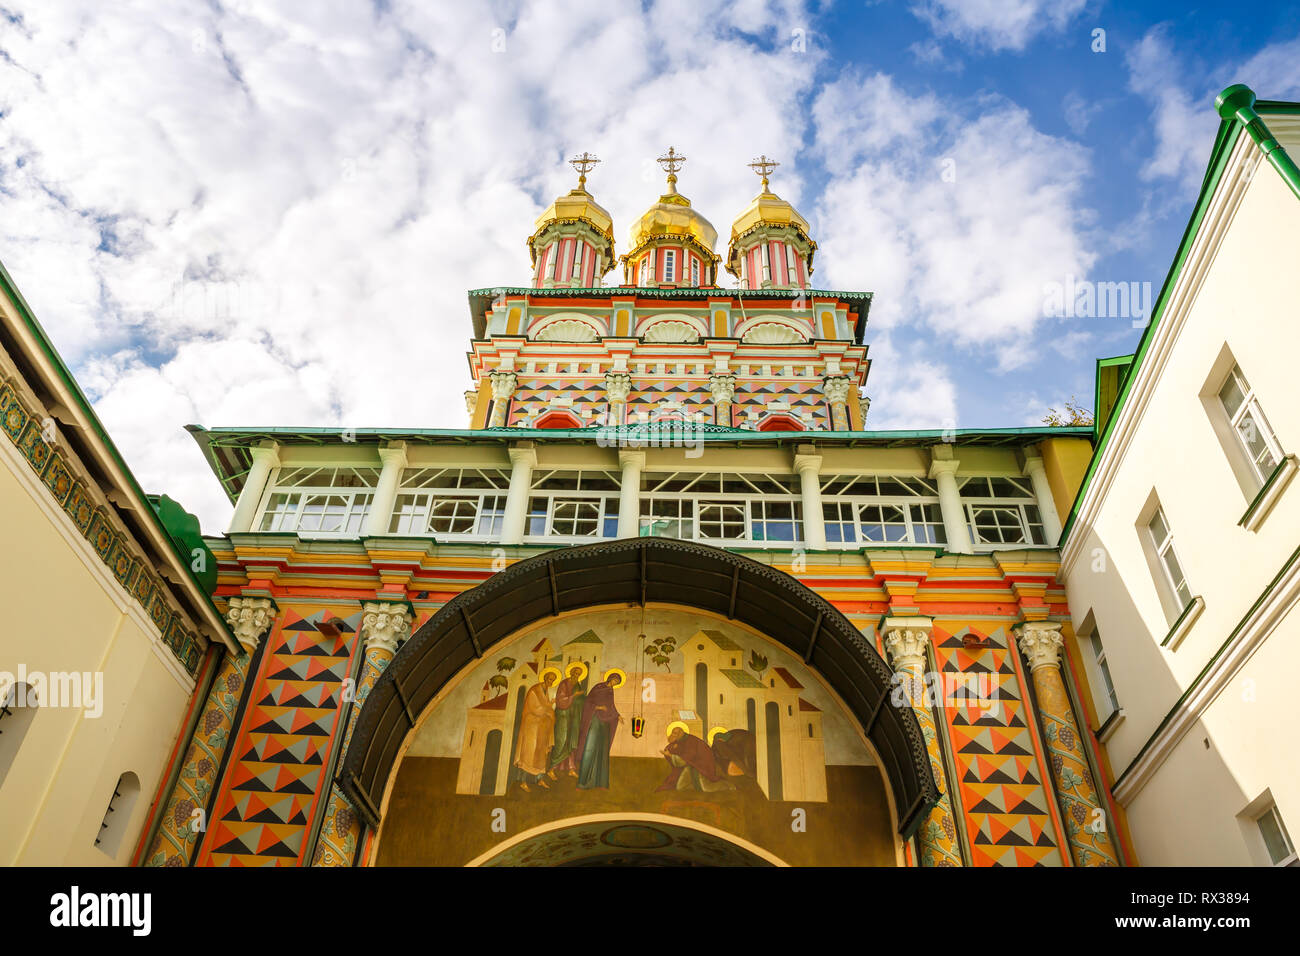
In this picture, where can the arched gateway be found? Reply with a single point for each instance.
(561, 699)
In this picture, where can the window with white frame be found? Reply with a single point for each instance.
(1103, 669)
(573, 504)
(1281, 851)
(451, 502)
(1258, 443)
(695, 271)
(860, 510)
(710, 506)
(648, 268)
(1000, 511)
(324, 501)
(1162, 540)
(670, 265)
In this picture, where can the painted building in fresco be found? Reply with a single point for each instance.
(667, 598)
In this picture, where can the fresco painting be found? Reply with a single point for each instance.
(668, 712)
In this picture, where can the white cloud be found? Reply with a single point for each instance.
(957, 223)
(997, 24)
(909, 390)
(1182, 109)
(269, 213)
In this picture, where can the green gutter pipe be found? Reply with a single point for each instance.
(1237, 102)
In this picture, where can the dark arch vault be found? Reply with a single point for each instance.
(636, 571)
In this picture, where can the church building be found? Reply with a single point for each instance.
(666, 591)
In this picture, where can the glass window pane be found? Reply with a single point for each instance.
(1232, 394)
(1159, 530)
(492, 515)
(1275, 835)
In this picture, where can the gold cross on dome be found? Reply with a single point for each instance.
(671, 161)
(763, 167)
(583, 165)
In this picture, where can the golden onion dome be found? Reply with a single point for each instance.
(769, 209)
(672, 215)
(577, 206)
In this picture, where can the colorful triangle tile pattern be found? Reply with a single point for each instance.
(1007, 817)
(286, 739)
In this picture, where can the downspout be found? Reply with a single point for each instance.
(1237, 102)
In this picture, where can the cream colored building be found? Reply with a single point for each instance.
(1180, 558)
(109, 620)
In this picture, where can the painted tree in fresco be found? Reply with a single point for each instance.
(660, 651)
(499, 680)
(757, 662)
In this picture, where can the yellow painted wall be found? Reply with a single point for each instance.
(65, 613)
(1066, 461)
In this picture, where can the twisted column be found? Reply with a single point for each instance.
(905, 640)
(383, 627)
(1041, 643)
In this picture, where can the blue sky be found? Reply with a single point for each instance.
(256, 213)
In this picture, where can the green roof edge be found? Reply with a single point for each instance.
(146, 506)
(1237, 114)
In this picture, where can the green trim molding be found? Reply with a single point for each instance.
(1284, 467)
(71, 491)
(145, 509)
(1236, 105)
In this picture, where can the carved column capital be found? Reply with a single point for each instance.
(471, 402)
(836, 389)
(617, 386)
(1041, 643)
(905, 639)
(384, 625)
(722, 386)
(864, 406)
(503, 384)
(249, 618)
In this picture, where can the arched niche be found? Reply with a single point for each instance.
(456, 653)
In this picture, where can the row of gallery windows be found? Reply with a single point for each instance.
(470, 504)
